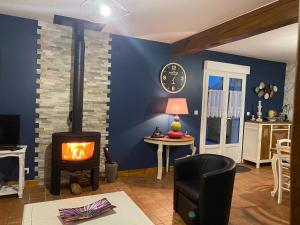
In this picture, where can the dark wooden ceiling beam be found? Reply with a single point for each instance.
(275, 15)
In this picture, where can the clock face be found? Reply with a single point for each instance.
(173, 78)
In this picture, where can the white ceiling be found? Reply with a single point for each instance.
(159, 20)
(276, 45)
(172, 20)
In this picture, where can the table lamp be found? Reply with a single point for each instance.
(176, 106)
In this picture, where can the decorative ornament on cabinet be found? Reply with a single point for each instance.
(259, 112)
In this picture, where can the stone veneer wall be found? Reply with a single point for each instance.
(54, 93)
(289, 87)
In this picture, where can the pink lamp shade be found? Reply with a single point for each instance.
(177, 106)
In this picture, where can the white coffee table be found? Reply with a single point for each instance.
(126, 212)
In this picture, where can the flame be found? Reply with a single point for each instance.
(77, 151)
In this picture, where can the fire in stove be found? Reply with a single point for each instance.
(77, 151)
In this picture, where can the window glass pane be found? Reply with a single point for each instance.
(214, 110)
(232, 131)
(234, 111)
(215, 83)
(213, 131)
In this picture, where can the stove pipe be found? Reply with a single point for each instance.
(78, 77)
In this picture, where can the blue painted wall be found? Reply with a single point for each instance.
(137, 101)
(136, 93)
(17, 83)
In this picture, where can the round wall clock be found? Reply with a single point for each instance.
(173, 77)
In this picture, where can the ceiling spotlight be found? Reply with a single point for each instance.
(105, 10)
(102, 11)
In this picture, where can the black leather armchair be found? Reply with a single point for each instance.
(203, 186)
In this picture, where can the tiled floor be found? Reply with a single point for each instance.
(252, 202)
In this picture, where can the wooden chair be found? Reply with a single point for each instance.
(283, 147)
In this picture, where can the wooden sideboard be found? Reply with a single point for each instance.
(260, 138)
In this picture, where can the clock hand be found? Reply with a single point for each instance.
(173, 80)
(174, 76)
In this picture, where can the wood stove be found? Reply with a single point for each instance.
(76, 150)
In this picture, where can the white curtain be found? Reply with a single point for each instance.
(215, 103)
(234, 104)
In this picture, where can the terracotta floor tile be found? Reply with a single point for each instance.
(37, 189)
(3, 221)
(35, 200)
(155, 219)
(16, 220)
(37, 195)
(14, 223)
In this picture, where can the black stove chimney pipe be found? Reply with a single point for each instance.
(79, 53)
(78, 79)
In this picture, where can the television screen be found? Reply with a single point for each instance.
(9, 129)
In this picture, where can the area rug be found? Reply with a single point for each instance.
(242, 169)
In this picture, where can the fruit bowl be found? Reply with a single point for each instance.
(68, 215)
